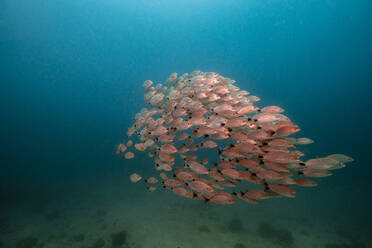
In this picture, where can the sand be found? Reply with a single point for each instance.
(127, 216)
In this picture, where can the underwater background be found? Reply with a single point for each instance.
(71, 75)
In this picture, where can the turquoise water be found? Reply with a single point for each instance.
(71, 82)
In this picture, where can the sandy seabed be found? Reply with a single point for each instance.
(126, 216)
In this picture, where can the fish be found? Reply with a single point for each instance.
(140, 146)
(135, 177)
(231, 173)
(305, 182)
(151, 188)
(129, 155)
(208, 144)
(163, 176)
(256, 194)
(200, 186)
(168, 148)
(147, 84)
(120, 149)
(184, 175)
(341, 158)
(196, 167)
(172, 182)
(151, 180)
(272, 110)
(183, 192)
(327, 163)
(189, 118)
(283, 190)
(221, 198)
(183, 136)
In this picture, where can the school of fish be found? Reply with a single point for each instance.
(210, 142)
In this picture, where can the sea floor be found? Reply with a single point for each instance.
(126, 216)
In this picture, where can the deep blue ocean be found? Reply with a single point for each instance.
(71, 75)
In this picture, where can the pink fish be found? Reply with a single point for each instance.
(272, 109)
(231, 173)
(256, 194)
(172, 182)
(168, 148)
(216, 175)
(276, 166)
(317, 173)
(222, 198)
(129, 155)
(151, 180)
(305, 182)
(248, 109)
(140, 147)
(197, 167)
(135, 177)
(184, 176)
(269, 175)
(183, 192)
(208, 144)
(165, 156)
(247, 163)
(245, 143)
(226, 164)
(200, 186)
(283, 190)
(183, 136)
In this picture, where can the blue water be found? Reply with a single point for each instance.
(71, 75)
